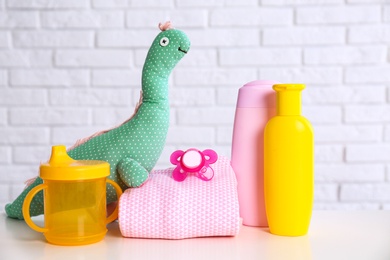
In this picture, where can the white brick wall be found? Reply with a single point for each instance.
(69, 68)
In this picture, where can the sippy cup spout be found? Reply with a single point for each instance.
(59, 155)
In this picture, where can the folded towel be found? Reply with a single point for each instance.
(165, 208)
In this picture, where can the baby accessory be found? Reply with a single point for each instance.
(168, 209)
(133, 148)
(289, 165)
(255, 106)
(74, 199)
(193, 161)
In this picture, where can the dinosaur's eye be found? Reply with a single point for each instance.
(164, 41)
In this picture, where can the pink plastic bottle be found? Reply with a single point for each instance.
(255, 106)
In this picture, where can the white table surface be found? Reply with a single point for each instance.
(348, 235)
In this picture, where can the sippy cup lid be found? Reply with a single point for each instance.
(62, 167)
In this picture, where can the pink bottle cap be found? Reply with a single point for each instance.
(257, 94)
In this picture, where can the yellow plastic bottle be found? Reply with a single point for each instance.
(288, 165)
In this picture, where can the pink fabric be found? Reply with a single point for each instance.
(165, 208)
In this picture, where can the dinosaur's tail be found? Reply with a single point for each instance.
(14, 209)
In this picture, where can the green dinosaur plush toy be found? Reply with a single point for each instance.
(133, 148)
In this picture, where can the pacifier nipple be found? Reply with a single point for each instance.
(191, 159)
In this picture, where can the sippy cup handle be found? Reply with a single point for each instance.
(114, 215)
(26, 208)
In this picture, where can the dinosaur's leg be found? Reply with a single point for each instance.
(132, 173)
(14, 209)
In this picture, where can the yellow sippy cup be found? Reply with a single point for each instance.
(74, 199)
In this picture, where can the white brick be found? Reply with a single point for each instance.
(224, 37)
(112, 77)
(4, 39)
(110, 4)
(388, 173)
(347, 133)
(68, 135)
(22, 58)
(368, 153)
(190, 135)
(241, 2)
(369, 113)
(130, 38)
(17, 173)
(3, 116)
(5, 155)
(227, 96)
(304, 35)
(53, 39)
(386, 13)
(323, 114)
(24, 135)
(338, 14)
(180, 18)
(183, 97)
(251, 16)
(349, 173)
(369, 74)
(217, 76)
(18, 19)
(23, 97)
(48, 116)
(369, 34)
(3, 77)
(326, 192)
(260, 56)
(31, 154)
(93, 58)
(82, 19)
(140, 56)
(222, 150)
(152, 3)
(199, 3)
(195, 58)
(224, 134)
(343, 95)
(164, 162)
(206, 116)
(313, 75)
(49, 77)
(346, 206)
(328, 153)
(111, 117)
(367, 1)
(301, 2)
(18, 188)
(345, 55)
(90, 97)
(365, 192)
(4, 192)
(387, 133)
(47, 4)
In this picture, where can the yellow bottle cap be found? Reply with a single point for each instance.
(63, 168)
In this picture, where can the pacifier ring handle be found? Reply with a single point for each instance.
(203, 177)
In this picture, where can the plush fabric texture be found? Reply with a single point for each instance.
(167, 209)
(133, 148)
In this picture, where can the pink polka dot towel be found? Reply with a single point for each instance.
(167, 209)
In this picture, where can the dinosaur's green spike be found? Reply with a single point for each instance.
(133, 148)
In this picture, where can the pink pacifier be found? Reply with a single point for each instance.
(193, 161)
